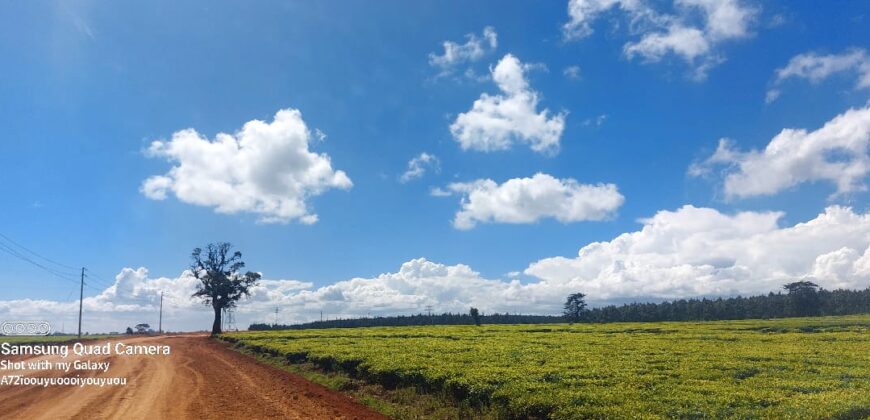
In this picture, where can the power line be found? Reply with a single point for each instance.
(94, 288)
(59, 270)
(68, 276)
(5, 248)
(37, 254)
(102, 279)
(12, 251)
(94, 279)
(127, 300)
(69, 295)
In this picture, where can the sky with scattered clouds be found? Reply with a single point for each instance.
(378, 158)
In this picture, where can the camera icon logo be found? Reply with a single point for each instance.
(25, 328)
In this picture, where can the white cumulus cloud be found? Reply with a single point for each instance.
(418, 165)
(496, 122)
(693, 32)
(134, 297)
(836, 152)
(816, 67)
(528, 200)
(582, 13)
(700, 251)
(687, 42)
(687, 252)
(472, 50)
(264, 168)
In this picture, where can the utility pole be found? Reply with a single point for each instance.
(276, 316)
(81, 299)
(160, 327)
(321, 316)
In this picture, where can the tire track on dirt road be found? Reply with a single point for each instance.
(200, 379)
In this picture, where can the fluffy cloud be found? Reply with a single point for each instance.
(683, 253)
(528, 200)
(837, 152)
(134, 297)
(693, 32)
(496, 122)
(700, 251)
(264, 168)
(582, 13)
(417, 166)
(572, 72)
(472, 50)
(815, 68)
(687, 42)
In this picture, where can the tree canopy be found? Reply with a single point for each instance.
(803, 297)
(575, 305)
(221, 282)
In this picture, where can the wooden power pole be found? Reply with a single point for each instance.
(81, 299)
(160, 325)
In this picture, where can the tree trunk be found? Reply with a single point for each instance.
(216, 327)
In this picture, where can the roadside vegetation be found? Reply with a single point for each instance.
(812, 367)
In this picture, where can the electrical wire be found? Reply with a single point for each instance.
(95, 281)
(98, 279)
(70, 277)
(11, 251)
(34, 253)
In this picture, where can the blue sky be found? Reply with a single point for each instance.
(86, 88)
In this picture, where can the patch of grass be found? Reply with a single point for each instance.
(746, 373)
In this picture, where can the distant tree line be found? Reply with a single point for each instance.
(417, 319)
(801, 299)
(140, 329)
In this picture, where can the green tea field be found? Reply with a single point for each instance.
(797, 368)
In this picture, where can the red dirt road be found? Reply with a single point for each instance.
(200, 379)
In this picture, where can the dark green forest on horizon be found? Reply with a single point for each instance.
(801, 299)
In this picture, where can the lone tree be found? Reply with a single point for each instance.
(142, 328)
(222, 283)
(803, 298)
(575, 305)
(475, 315)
